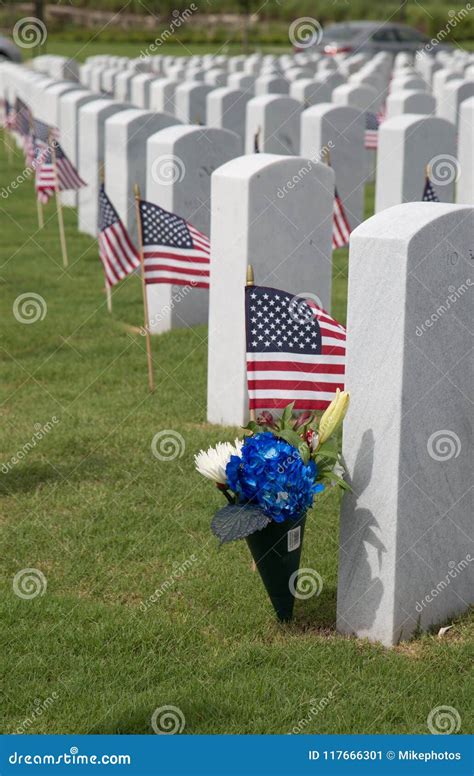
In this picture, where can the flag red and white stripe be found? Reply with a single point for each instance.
(117, 253)
(341, 229)
(46, 174)
(174, 251)
(372, 131)
(295, 351)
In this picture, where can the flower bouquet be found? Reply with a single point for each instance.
(270, 479)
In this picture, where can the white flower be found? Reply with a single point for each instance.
(339, 471)
(212, 463)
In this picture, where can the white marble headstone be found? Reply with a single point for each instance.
(407, 144)
(190, 102)
(275, 119)
(162, 95)
(465, 185)
(68, 114)
(452, 95)
(226, 109)
(275, 213)
(409, 101)
(180, 162)
(405, 560)
(126, 133)
(92, 118)
(340, 129)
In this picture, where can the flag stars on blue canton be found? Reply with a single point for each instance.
(271, 327)
(108, 214)
(429, 194)
(161, 227)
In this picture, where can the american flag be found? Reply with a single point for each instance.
(44, 133)
(117, 253)
(341, 229)
(295, 351)
(429, 194)
(29, 149)
(371, 130)
(44, 174)
(23, 118)
(173, 250)
(67, 175)
(382, 113)
(39, 138)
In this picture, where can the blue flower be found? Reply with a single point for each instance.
(271, 473)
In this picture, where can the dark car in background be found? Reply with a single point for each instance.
(8, 50)
(370, 37)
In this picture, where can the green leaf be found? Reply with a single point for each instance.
(334, 478)
(236, 521)
(252, 426)
(327, 449)
(290, 436)
(325, 453)
(294, 439)
(287, 415)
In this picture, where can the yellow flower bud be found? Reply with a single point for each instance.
(333, 416)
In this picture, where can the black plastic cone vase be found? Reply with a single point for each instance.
(276, 550)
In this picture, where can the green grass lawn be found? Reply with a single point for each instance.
(88, 46)
(108, 524)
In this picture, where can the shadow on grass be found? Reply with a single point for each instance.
(317, 612)
(25, 477)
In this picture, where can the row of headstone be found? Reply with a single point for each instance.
(406, 441)
(277, 124)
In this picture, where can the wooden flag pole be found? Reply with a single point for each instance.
(151, 384)
(108, 290)
(39, 210)
(7, 145)
(108, 293)
(59, 208)
(250, 282)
